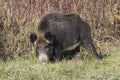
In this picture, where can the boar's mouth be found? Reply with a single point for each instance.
(43, 58)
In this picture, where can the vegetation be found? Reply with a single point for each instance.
(20, 17)
(28, 68)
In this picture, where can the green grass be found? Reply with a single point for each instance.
(28, 68)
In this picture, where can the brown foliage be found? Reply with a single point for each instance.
(19, 17)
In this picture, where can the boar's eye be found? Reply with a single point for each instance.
(49, 48)
(37, 47)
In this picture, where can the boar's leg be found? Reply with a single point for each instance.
(56, 46)
(58, 52)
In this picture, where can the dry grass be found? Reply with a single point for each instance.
(19, 17)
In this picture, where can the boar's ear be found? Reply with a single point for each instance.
(32, 37)
(48, 36)
(51, 38)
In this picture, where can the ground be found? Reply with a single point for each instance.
(28, 68)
